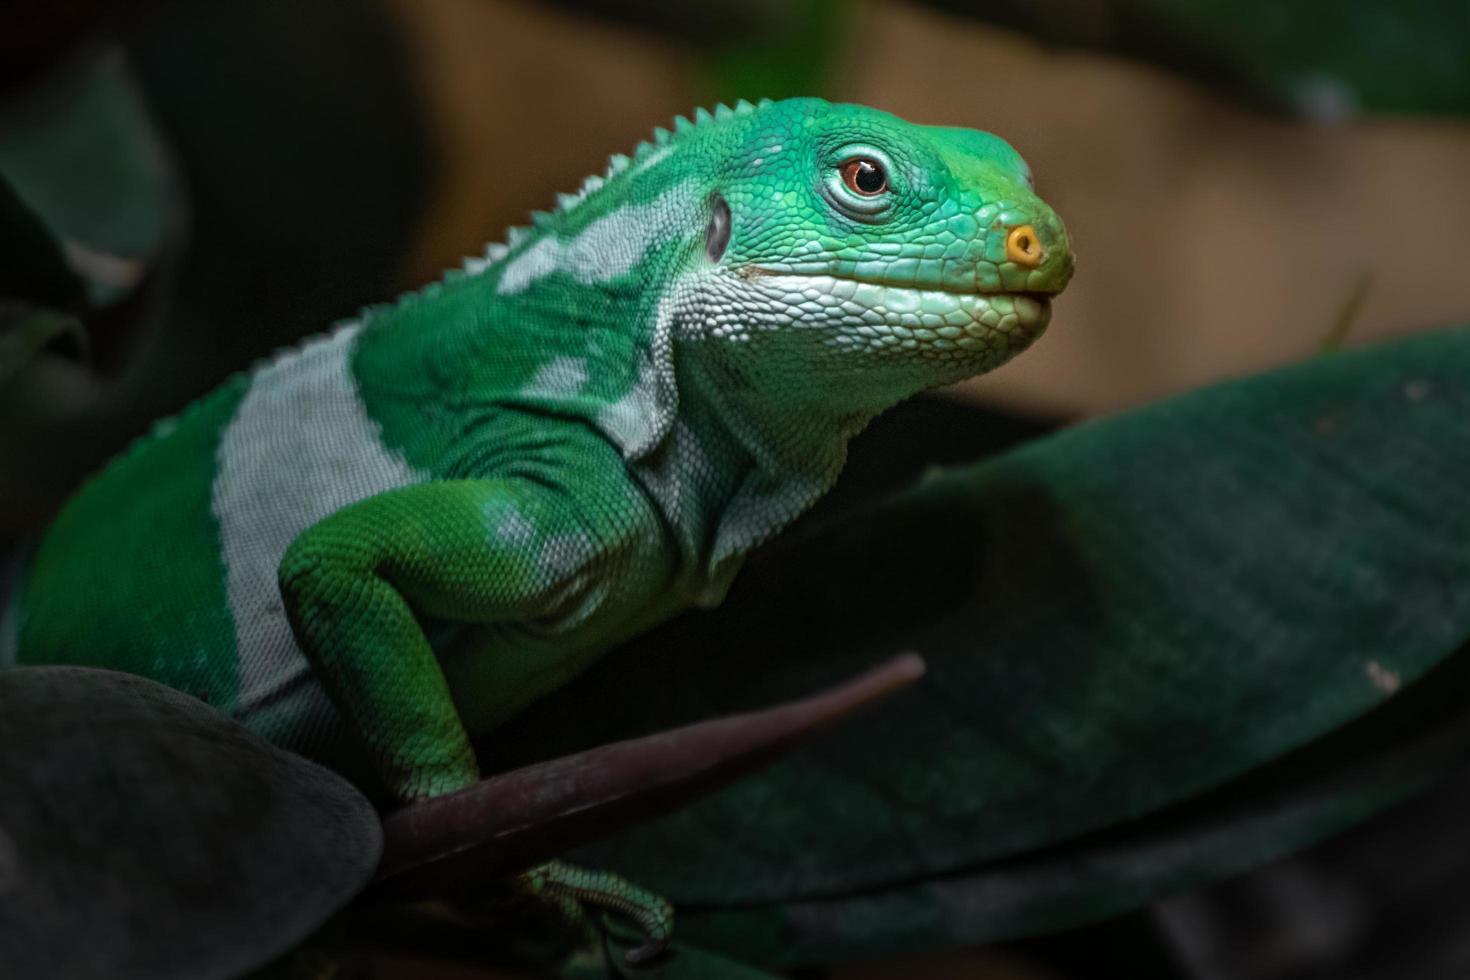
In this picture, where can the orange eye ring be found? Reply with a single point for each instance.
(864, 176)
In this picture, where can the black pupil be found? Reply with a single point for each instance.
(869, 177)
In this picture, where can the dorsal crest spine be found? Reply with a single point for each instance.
(661, 139)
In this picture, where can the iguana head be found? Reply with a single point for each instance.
(790, 259)
(852, 258)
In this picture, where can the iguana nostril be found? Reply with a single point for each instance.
(1023, 247)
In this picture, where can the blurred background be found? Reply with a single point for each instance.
(1246, 183)
(186, 186)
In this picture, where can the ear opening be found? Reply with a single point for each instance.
(717, 232)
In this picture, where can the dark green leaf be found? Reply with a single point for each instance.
(1324, 59)
(1118, 619)
(1394, 752)
(142, 833)
(81, 153)
(302, 146)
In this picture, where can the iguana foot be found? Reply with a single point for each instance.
(570, 887)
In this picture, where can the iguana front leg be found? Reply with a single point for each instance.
(472, 551)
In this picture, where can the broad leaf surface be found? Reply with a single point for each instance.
(142, 833)
(1118, 619)
(1396, 751)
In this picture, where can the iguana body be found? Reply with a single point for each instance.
(397, 535)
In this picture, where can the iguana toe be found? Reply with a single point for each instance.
(563, 883)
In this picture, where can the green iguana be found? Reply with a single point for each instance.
(384, 542)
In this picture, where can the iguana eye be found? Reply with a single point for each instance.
(858, 180)
(864, 176)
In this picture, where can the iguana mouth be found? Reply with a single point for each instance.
(1041, 296)
(889, 316)
(1029, 306)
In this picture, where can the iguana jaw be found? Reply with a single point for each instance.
(1040, 295)
(884, 314)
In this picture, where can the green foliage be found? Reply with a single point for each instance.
(82, 155)
(1319, 58)
(1323, 59)
(1326, 58)
(1163, 647)
(237, 176)
(85, 207)
(148, 835)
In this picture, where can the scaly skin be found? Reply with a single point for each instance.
(396, 536)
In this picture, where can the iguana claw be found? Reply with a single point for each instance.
(567, 883)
